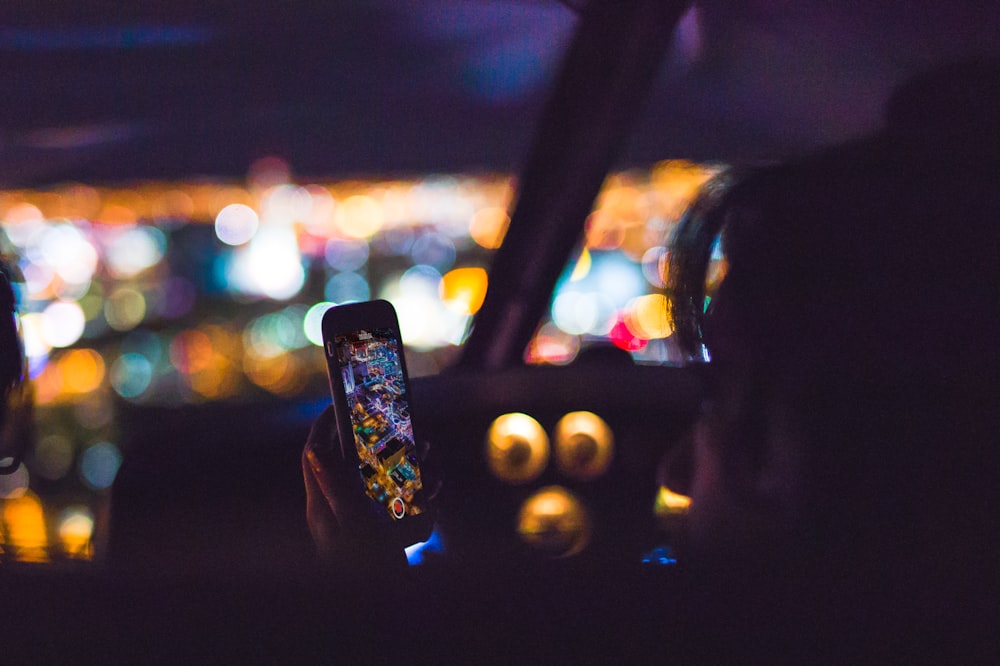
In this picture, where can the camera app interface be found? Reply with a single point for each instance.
(380, 416)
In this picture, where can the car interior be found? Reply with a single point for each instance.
(186, 187)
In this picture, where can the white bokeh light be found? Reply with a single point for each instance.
(62, 323)
(270, 265)
(574, 312)
(236, 224)
(133, 250)
(69, 253)
(312, 324)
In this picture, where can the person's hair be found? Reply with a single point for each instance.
(868, 277)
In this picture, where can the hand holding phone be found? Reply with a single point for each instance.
(370, 388)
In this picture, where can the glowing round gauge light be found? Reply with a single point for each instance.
(236, 224)
(555, 522)
(517, 448)
(584, 445)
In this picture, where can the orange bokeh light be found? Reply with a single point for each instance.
(191, 351)
(464, 289)
(81, 370)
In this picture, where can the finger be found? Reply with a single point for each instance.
(431, 473)
(317, 477)
(320, 517)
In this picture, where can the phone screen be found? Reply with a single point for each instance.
(375, 386)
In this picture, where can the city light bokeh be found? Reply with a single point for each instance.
(169, 293)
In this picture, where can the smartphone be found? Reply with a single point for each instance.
(371, 400)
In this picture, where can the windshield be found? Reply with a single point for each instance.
(176, 293)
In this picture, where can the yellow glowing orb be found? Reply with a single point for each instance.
(584, 445)
(554, 521)
(669, 503)
(464, 289)
(82, 370)
(517, 448)
(648, 317)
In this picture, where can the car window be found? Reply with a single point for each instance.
(172, 293)
(612, 290)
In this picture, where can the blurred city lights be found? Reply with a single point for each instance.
(53, 456)
(191, 351)
(62, 323)
(358, 216)
(120, 283)
(489, 226)
(99, 465)
(270, 265)
(66, 249)
(131, 375)
(464, 289)
(312, 324)
(269, 171)
(654, 266)
(124, 308)
(285, 204)
(648, 317)
(575, 312)
(75, 529)
(347, 287)
(236, 224)
(552, 345)
(133, 250)
(582, 266)
(345, 254)
(433, 249)
(24, 526)
(623, 338)
(92, 411)
(81, 370)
